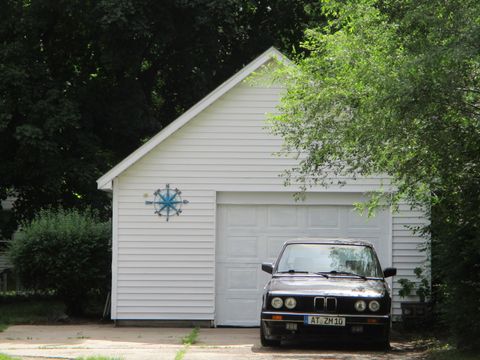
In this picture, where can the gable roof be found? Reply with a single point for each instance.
(105, 181)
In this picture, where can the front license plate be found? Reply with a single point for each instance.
(325, 320)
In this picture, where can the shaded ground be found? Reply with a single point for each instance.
(70, 341)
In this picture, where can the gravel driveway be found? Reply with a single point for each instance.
(71, 341)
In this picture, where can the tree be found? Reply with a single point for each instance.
(393, 87)
(84, 83)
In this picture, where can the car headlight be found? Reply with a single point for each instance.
(374, 305)
(360, 305)
(290, 303)
(277, 303)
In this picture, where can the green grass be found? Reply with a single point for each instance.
(191, 338)
(442, 350)
(180, 354)
(6, 357)
(188, 340)
(30, 312)
(451, 354)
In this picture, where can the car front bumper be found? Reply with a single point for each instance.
(364, 328)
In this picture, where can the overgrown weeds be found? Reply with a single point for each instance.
(445, 351)
(188, 340)
(191, 338)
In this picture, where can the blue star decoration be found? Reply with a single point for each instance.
(167, 202)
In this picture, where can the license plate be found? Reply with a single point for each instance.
(325, 320)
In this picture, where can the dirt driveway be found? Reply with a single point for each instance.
(71, 341)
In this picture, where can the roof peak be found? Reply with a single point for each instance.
(105, 181)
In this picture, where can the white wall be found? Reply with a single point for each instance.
(167, 270)
(4, 263)
(407, 245)
(6, 204)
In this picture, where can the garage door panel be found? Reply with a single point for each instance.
(322, 217)
(325, 233)
(274, 245)
(248, 235)
(241, 312)
(237, 277)
(242, 246)
(238, 215)
(242, 279)
(283, 216)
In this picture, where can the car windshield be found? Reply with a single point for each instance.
(330, 259)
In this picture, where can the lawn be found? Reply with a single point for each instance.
(30, 312)
(6, 357)
(451, 354)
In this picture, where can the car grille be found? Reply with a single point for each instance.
(325, 304)
(319, 304)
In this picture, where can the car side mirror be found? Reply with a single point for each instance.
(388, 272)
(267, 267)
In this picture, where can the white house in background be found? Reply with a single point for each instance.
(6, 205)
(204, 265)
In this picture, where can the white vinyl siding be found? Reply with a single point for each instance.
(4, 263)
(166, 270)
(407, 245)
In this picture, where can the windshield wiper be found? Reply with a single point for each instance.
(335, 272)
(323, 274)
(292, 271)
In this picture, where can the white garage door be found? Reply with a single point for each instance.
(248, 235)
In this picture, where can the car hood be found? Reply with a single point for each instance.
(333, 286)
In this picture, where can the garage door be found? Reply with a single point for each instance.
(248, 235)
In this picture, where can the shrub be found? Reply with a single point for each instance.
(65, 251)
(456, 265)
(421, 287)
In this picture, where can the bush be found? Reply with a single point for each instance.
(456, 266)
(67, 252)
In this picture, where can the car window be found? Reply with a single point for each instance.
(314, 258)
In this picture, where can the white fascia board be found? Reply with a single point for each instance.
(105, 181)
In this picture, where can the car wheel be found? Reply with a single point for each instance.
(384, 343)
(266, 342)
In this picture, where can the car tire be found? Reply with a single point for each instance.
(383, 345)
(266, 342)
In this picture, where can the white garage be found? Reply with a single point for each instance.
(217, 163)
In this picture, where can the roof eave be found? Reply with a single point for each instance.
(105, 186)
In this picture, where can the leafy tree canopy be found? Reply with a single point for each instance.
(389, 88)
(83, 83)
(393, 87)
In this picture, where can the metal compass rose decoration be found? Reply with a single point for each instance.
(167, 202)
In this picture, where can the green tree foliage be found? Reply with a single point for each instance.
(83, 83)
(393, 87)
(66, 251)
